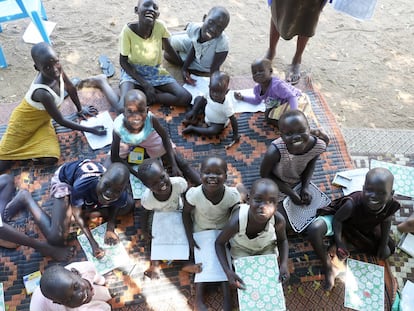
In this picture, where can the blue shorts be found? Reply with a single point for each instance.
(328, 219)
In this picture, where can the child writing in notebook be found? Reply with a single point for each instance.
(203, 48)
(277, 94)
(76, 286)
(141, 45)
(138, 127)
(163, 194)
(217, 109)
(254, 229)
(208, 207)
(30, 133)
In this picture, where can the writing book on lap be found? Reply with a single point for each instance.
(95, 141)
(260, 275)
(211, 267)
(300, 216)
(169, 241)
(115, 255)
(364, 286)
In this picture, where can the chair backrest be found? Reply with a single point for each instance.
(17, 9)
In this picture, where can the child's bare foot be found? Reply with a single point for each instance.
(293, 74)
(16, 205)
(58, 253)
(7, 244)
(192, 268)
(94, 81)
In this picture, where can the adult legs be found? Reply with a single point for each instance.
(273, 40)
(212, 130)
(173, 94)
(293, 75)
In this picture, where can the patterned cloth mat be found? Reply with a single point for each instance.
(174, 289)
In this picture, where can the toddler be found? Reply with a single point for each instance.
(204, 46)
(256, 228)
(30, 133)
(143, 69)
(163, 194)
(138, 127)
(76, 286)
(218, 110)
(277, 94)
(362, 219)
(208, 207)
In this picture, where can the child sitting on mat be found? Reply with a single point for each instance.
(138, 127)
(278, 95)
(290, 160)
(30, 134)
(208, 207)
(204, 46)
(76, 286)
(362, 218)
(11, 205)
(141, 45)
(163, 194)
(217, 109)
(256, 228)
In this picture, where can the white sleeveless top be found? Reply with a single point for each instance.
(57, 98)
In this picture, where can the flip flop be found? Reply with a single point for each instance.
(293, 74)
(106, 65)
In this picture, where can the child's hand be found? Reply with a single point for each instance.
(235, 280)
(296, 199)
(99, 130)
(111, 238)
(306, 196)
(283, 274)
(150, 93)
(238, 96)
(187, 78)
(89, 111)
(98, 253)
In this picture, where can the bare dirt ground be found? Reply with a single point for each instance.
(363, 68)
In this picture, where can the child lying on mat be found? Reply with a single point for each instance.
(138, 127)
(362, 218)
(141, 45)
(82, 188)
(76, 286)
(208, 207)
(290, 160)
(11, 205)
(30, 134)
(163, 194)
(217, 109)
(278, 95)
(204, 47)
(256, 228)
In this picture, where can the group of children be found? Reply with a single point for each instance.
(253, 226)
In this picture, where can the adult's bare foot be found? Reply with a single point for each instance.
(94, 81)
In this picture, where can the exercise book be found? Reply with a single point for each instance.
(104, 119)
(206, 255)
(169, 241)
(300, 216)
(115, 255)
(364, 286)
(263, 291)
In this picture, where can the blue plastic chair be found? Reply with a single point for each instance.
(17, 9)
